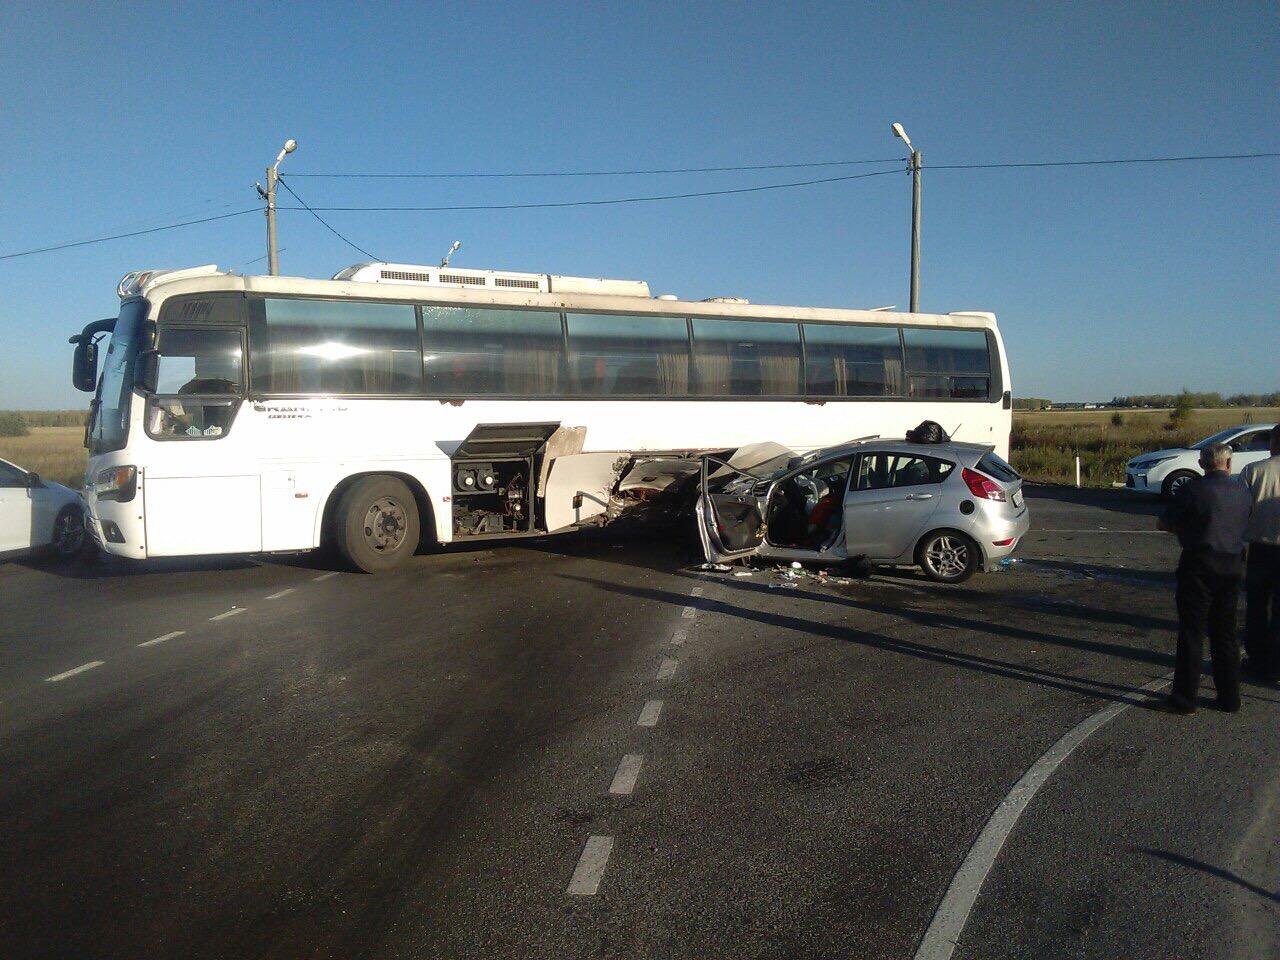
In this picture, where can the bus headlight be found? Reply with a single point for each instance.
(117, 483)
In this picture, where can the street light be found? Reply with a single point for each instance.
(915, 216)
(273, 254)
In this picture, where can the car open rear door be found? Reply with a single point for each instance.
(730, 523)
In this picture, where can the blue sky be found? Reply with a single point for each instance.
(1106, 280)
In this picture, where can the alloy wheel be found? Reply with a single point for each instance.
(947, 556)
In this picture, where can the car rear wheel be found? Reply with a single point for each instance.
(1176, 481)
(68, 533)
(946, 556)
(376, 525)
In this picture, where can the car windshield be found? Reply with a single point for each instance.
(1222, 436)
(109, 428)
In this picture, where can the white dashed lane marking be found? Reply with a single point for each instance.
(679, 637)
(282, 593)
(230, 613)
(590, 869)
(689, 612)
(72, 672)
(167, 636)
(667, 668)
(697, 591)
(649, 713)
(325, 576)
(624, 780)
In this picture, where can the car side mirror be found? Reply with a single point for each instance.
(146, 373)
(33, 480)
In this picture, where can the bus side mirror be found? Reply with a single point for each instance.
(84, 365)
(146, 373)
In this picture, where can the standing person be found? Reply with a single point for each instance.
(1209, 515)
(1262, 575)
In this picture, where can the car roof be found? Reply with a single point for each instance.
(952, 448)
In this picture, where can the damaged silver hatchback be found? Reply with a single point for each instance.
(948, 508)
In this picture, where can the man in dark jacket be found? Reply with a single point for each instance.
(1209, 515)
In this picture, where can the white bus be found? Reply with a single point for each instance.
(393, 403)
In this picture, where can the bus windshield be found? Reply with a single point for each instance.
(109, 429)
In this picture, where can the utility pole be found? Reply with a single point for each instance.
(273, 177)
(915, 231)
(915, 215)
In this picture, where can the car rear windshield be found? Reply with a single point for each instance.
(994, 466)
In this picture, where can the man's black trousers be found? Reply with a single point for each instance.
(1207, 597)
(1262, 620)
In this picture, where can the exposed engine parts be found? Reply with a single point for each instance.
(491, 498)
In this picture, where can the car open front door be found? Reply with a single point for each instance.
(730, 523)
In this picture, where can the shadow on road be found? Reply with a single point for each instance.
(1082, 686)
(1210, 869)
(1113, 501)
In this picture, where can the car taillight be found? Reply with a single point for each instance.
(981, 486)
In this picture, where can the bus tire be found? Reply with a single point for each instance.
(376, 524)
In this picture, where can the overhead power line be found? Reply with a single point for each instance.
(601, 203)
(323, 221)
(620, 200)
(588, 173)
(1098, 163)
(772, 166)
(122, 236)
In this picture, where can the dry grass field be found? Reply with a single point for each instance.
(1045, 443)
(56, 453)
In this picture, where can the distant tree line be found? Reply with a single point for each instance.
(1199, 401)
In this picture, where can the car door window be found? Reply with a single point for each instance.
(881, 471)
(11, 476)
(1258, 441)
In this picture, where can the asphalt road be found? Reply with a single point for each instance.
(331, 765)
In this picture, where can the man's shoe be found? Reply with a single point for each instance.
(1175, 704)
(1250, 668)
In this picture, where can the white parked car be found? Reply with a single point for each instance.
(1164, 471)
(38, 515)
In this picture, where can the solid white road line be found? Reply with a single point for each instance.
(325, 576)
(940, 940)
(624, 780)
(1101, 530)
(71, 673)
(230, 613)
(696, 591)
(649, 713)
(282, 593)
(667, 668)
(167, 636)
(689, 612)
(679, 637)
(590, 869)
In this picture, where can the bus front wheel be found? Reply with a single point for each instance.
(376, 524)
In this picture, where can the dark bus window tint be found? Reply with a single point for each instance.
(198, 361)
(334, 347)
(852, 360)
(746, 358)
(948, 364)
(628, 356)
(480, 352)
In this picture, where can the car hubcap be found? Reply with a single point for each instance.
(1177, 484)
(947, 556)
(385, 525)
(70, 534)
